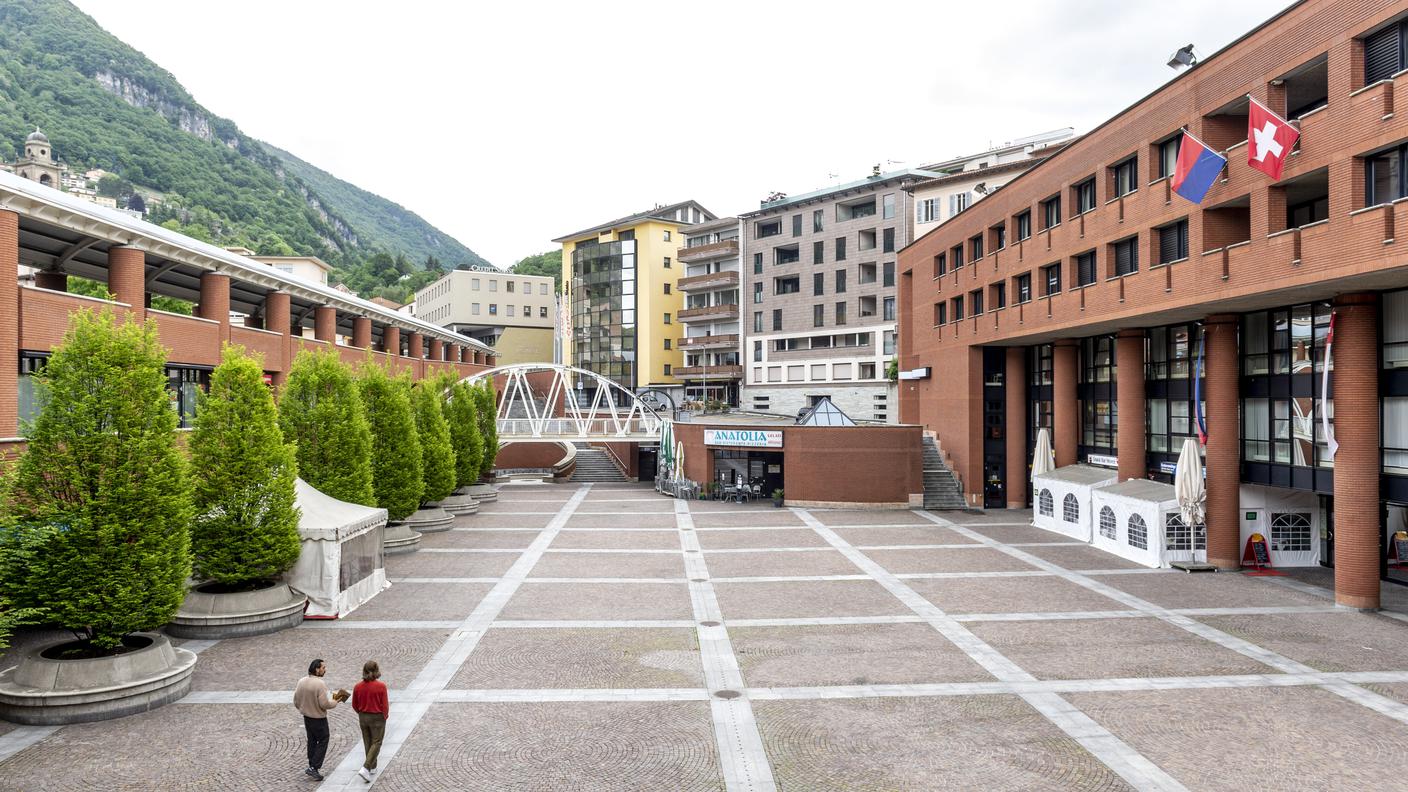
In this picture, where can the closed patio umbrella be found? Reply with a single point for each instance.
(1188, 484)
(1044, 460)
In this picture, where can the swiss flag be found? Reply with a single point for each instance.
(1269, 139)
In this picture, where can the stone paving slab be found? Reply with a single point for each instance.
(990, 743)
(594, 747)
(650, 507)
(991, 517)
(868, 517)
(422, 564)
(745, 517)
(423, 601)
(1298, 738)
(624, 565)
(489, 522)
(277, 661)
(1080, 556)
(870, 654)
(783, 563)
(977, 559)
(1208, 590)
(802, 599)
(180, 748)
(600, 601)
(665, 539)
(481, 538)
(1045, 594)
(594, 658)
(1336, 641)
(764, 538)
(659, 521)
(698, 507)
(908, 535)
(1109, 649)
(1011, 534)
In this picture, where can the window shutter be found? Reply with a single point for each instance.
(1124, 258)
(1381, 52)
(1168, 243)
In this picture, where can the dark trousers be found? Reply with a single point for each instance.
(317, 729)
(373, 730)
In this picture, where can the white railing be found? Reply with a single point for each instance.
(570, 404)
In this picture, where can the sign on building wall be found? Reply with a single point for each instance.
(747, 438)
(1102, 460)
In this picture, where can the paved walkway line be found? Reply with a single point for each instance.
(786, 578)
(381, 624)
(590, 624)
(471, 549)
(570, 694)
(21, 737)
(443, 666)
(742, 757)
(444, 580)
(1108, 749)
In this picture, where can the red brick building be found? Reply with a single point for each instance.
(59, 235)
(1079, 296)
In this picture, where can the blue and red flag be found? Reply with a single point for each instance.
(1197, 168)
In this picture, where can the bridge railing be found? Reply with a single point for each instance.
(511, 428)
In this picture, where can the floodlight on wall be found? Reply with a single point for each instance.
(1183, 58)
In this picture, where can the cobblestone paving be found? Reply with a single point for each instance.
(853, 655)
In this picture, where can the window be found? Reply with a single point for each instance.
(1126, 180)
(1085, 269)
(757, 293)
(757, 351)
(493, 309)
(1173, 242)
(958, 308)
(667, 288)
(1070, 508)
(1051, 212)
(1107, 522)
(887, 206)
(667, 318)
(1127, 256)
(940, 313)
(975, 247)
(888, 309)
(667, 369)
(474, 309)
(777, 319)
(757, 321)
(1290, 532)
(818, 315)
(667, 262)
(957, 253)
(816, 221)
(1044, 504)
(1138, 532)
(999, 236)
(1383, 177)
(1383, 53)
(767, 228)
(818, 284)
(1024, 288)
(528, 309)
(796, 225)
(667, 343)
(840, 248)
(1024, 225)
(840, 313)
(840, 281)
(1085, 196)
(999, 295)
(975, 301)
(888, 278)
(818, 252)
(493, 285)
(888, 241)
(667, 236)
(1168, 156)
(788, 285)
(940, 265)
(1177, 535)
(474, 284)
(542, 312)
(958, 202)
(1051, 276)
(757, 263)
(926, 211)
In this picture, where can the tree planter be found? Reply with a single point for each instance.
(430, 518)
(460, 503)
(399, 538)
(484, 493)
(213, 614)
(41, 691)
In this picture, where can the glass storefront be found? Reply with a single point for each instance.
(1095, 390)
(604, 310)
(1170, 370)
(1283, 354)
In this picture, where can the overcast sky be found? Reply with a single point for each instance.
(508, 124)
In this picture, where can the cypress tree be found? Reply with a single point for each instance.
(321, 412)
(436, 451)
(101, 500)
(462, 413)
(397, 466)
(488, 425)
(246, 525)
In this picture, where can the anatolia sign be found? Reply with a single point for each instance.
(745, 438)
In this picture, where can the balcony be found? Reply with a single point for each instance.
(712, 372)
(709, 313)
(708, 281)
(710, 342)
(726, 248)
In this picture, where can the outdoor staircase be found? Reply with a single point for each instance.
(594, 464)
(941, 488)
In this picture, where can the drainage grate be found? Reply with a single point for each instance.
(709, 623)
(727, 694)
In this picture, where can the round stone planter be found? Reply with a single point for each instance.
(484, 493)
(45, 692)
(208, 614)
(460, 504)
(398, 538)
(430, 518)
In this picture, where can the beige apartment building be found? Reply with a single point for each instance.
(711, 341)
(514, 314)
(963, 181)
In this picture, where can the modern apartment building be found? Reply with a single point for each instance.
(710, 340)
(516, 315)
(1086, 297)
(618, 281)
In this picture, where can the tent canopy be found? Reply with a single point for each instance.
(325, 518)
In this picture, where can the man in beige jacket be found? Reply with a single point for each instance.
(311, 698)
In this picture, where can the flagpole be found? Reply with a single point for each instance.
(1199, 140)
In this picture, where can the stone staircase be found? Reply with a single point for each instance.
(594, 464)
(941, 488)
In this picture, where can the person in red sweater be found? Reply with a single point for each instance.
(373, 708)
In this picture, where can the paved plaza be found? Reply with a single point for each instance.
(602, 637)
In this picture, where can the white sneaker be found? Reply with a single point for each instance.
(366, 776)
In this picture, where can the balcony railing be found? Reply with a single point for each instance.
(709, 341)
(709, 280)
(720, 372)
(728, 247)
(725, 311)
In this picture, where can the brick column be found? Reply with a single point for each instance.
(278, 316)
(415, 346)
(391, 340)
(127, 278)
(1065, 408)
(325, 323)
(452, 352)
(1221, 388)
(53, 281)
(1131, 439)
(361, 332)
(437, 349)
(9, 324)
(1355, 380)
(1017, 470)
(478, 358)
(215, 301)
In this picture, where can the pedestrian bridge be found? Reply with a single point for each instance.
(552, 402)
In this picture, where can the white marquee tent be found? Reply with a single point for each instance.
(341, 564)
(1062, 498)
(1140, 520)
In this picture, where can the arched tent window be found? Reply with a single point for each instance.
(1070, 508)
(1045, 504)
(1138, 532)
(1107, 522)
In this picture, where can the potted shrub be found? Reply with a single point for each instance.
(462, 414)
(396, 456)
(437, 460)
(321, 412)
(98, 538)
(777, 498)
(245, 532)
(487, 411)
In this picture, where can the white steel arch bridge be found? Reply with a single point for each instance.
(551, 402)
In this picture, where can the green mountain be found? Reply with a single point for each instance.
(105, 105)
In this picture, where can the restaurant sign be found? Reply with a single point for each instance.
(746, 438)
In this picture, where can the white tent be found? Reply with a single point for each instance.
(1062, 498)
(1140, 520)
(341, 564)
